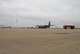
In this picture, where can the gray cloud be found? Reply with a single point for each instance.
(40, 11)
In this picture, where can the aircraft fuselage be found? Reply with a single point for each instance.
(44, 26)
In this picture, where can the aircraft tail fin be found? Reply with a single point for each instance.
(49, 23)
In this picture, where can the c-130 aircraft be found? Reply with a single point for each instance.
(45, 26)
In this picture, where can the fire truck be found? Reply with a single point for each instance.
(69, 27)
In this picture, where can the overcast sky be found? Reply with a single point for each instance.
(33, 12)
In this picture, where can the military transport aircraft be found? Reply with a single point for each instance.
(45, 26)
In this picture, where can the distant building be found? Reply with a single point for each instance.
(6, 27)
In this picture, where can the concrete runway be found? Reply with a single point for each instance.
(39, 41)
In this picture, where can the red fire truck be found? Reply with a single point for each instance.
(69, 27)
